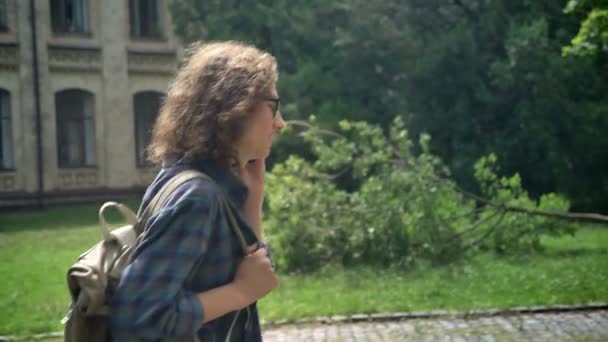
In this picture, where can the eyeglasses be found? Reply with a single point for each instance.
(277, 102)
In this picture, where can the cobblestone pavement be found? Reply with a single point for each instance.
(566, 326)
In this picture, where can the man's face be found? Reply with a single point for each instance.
(263, 124)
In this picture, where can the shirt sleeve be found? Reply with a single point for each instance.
(150, 301)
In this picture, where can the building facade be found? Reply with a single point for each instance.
(81, 82)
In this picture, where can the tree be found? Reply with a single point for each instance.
(592, 37)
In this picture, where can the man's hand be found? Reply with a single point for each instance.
(253, 280)
(254, 277)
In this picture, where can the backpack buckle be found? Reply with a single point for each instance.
(67, 317)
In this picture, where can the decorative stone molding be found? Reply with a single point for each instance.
(9, 57)
(78, 179)
(74, 59)
(152, 62)
(7, 183)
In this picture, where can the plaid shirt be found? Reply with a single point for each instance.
(188, 247)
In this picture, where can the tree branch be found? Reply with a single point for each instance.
(309, 126)
(585, 217)
(486, 234)
(570, 216)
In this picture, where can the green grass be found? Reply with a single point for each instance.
(36, 248)
(572, 270)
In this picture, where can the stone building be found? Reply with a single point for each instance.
(80, 86)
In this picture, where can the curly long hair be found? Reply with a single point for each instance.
(209, 100)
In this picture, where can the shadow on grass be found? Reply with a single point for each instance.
(576, 252)
(61, 217)
(559, 254)
(454, 268)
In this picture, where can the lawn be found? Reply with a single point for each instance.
(36, 248)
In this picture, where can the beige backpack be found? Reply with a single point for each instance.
(94, 277)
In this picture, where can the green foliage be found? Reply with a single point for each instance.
(592, 37)
(515, 232)
(404, 208)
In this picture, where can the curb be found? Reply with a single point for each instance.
(394, 316)
(31, 337)
(399, 316)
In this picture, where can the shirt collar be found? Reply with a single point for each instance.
(232, 185)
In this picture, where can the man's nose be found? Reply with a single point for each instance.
(279, 123)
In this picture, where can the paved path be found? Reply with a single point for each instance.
(566, 326)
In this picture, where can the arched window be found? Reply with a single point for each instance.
(75, 128)
(6, 136)
(146, 105)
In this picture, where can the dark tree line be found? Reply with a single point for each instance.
(480, 76)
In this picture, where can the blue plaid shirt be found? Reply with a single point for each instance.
(188, 247)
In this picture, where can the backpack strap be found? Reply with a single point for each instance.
(163, 194)
(168, 188)
(233, 223)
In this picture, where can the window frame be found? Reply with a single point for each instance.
(83, 123)
(139, 119)
(59, 25)
(6, 132)
(5, 26)
(136, 26)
